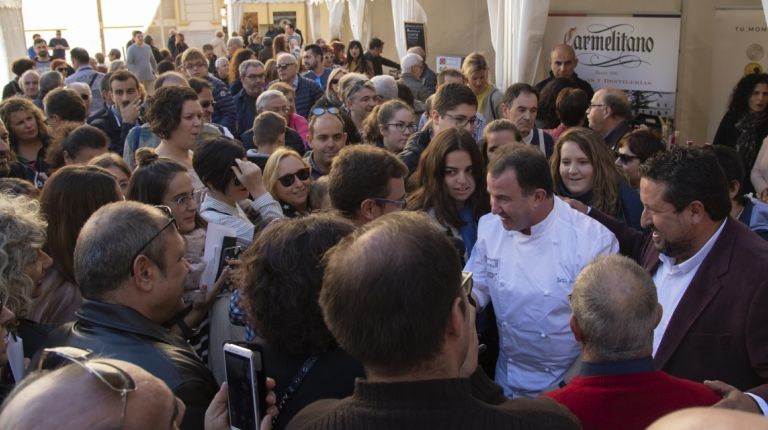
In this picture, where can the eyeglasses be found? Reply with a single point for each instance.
(334, 81)
(112, 376)
(207, 103)
(194, 66)
(399, 203)
(254, 77)
(171, 220)
(400, 126)
(278, 109)
(462, 122)
(593, 106)
(625, 158)
(183, 201)
(289, 179)
(285, 66)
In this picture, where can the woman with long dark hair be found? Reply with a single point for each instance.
(745, 124)
(449, 184)
(355, 61)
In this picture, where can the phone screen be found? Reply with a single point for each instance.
(242, 410)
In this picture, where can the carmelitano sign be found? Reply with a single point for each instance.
(637, 54)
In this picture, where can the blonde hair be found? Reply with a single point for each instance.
(273, 164)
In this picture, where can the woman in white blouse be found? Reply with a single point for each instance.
(759, 173)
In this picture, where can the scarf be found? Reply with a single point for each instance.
(751, 135)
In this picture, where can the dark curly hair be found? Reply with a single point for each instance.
(280, 281)
(739, 104)
(165, 112)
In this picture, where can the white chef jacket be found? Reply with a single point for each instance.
(528, 278)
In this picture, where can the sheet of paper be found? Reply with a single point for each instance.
(213, 239)
(16, 357)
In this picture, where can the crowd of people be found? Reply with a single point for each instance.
(411, 249)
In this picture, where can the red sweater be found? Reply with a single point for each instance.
(630, 401)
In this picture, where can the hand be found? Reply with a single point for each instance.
(763, 196)
(575, 204)
(204, 297)
(249, 174)
(131, 112)
(733, 398)
(271, 400)
(217, 414)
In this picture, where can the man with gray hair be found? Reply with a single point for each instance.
(306, 91)
(131, 289)
(413, 68)
(615, 310)
(609, 114)
(386, 87)
(273, 101)
(252, 76)
(49, 81)
(233, 44)
(429, 76)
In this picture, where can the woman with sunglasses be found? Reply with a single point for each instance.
(355, 61)
(332, 96)
(584, 169)
(164, 182)
(67, 207)
(389, 125)
(177, 118)
(632, 151)
(287, 178)
(449, 184)
(232, 182)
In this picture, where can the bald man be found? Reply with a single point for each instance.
(307, 91)
(562, 64)
(150, 405)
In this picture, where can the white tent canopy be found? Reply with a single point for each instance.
(12, 44)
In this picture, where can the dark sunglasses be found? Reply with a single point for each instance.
(289, 179)
(334, 81)
(625, 158)
(171, 220)
(112, 376)
(283, 66)
(206, 104)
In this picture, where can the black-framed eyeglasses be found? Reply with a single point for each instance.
(284, 66)
(399, 203)
(462, 122)
(171, 220)
(289, 179)
(401, 126)
(207, 103)
(625, 158)
(112, 376)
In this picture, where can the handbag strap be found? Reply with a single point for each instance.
(296, 383)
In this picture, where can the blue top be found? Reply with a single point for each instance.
(469, 230)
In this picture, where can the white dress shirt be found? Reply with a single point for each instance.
(673, 279)
(528, 278)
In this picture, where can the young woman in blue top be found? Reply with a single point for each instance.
(449, 184)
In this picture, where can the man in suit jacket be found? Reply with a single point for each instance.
(711, 273)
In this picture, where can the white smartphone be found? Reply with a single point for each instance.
(246, 380)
